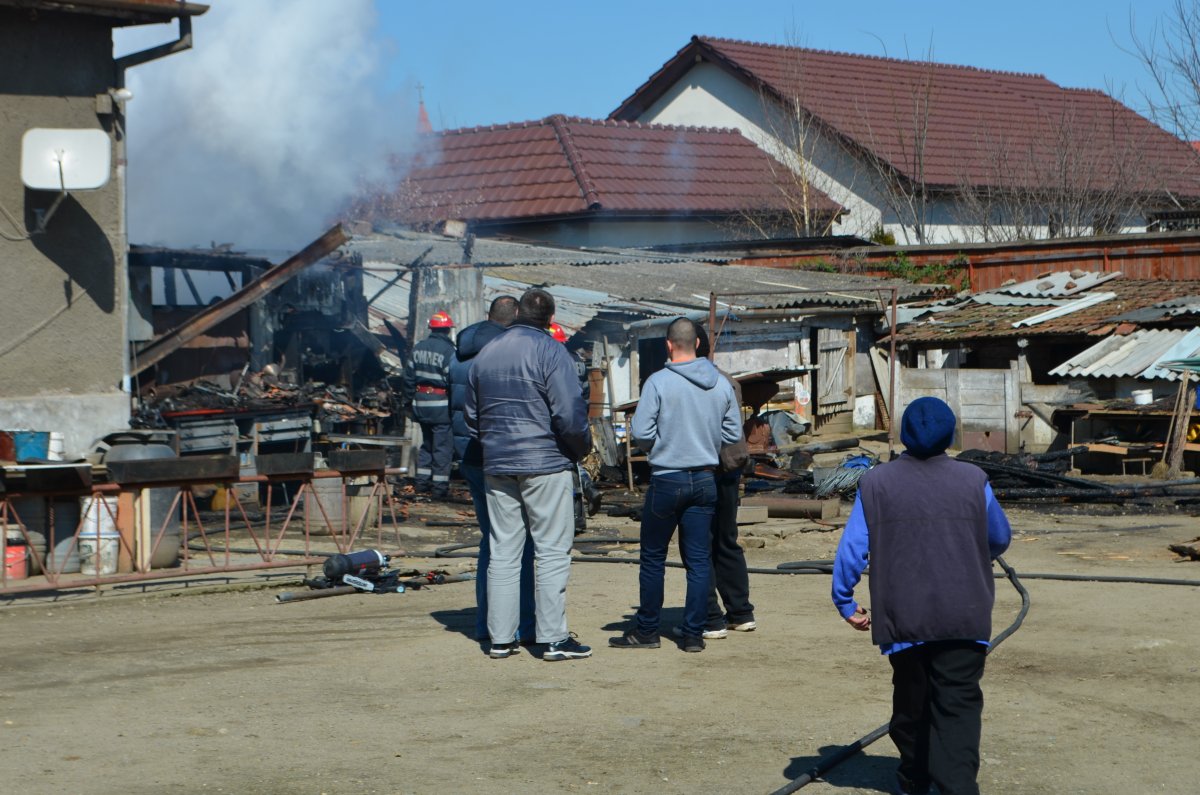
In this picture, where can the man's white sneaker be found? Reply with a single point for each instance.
(745, 626)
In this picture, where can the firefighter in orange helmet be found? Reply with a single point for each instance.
(427, 380)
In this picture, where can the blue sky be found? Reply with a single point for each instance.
(284, 109)
(494, 62)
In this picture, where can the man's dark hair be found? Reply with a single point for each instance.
(503, 310)
(682, 334)
(537, 308)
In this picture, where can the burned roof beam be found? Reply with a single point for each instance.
(166, 344)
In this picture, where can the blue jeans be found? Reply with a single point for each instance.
(686, 500)
(474, 476)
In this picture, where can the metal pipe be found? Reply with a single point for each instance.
(316, 593)
(183, 42)
(161, 574)
(892, 378)
(793, 508)
(117, 488)
(712, 325)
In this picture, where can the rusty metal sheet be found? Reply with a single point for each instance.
(46, 477)
(276, 464)
(357, 460)
(166, 470)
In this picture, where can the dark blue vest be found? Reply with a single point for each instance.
(931, 570)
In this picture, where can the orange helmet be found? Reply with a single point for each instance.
(440, 320)
(558, 332)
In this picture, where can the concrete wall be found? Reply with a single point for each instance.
(62, 293)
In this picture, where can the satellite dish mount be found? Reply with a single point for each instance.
(64, 161)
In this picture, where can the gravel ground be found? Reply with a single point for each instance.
(198, 689)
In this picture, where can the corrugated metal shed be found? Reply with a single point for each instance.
(1136, 355)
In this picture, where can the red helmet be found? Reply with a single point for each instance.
(440, 320)
(558, 332)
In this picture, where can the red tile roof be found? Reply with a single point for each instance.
(983, 127)
(562, 166)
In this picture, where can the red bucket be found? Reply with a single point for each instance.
(14, 563)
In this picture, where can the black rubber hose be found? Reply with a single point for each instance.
(831, 761)
(827, 567)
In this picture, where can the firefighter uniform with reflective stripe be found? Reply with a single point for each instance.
(428, 383)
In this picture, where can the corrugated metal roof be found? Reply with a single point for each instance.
(624, 283)
(975, 321)
(688, 284)
(1058, 285)
(1065, 308)
(403, 247)
(1174, 307)
(1136, 355)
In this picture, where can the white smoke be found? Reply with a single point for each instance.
(259, 134)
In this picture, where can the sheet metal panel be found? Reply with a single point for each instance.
(1135, 355)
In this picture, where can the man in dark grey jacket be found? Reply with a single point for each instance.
(525, 408)
(472, 339)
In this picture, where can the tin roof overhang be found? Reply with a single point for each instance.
(128, 11)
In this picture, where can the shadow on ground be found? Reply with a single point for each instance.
(861, 771)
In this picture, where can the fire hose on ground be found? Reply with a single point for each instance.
(847, 752)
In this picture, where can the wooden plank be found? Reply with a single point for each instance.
(1107, 448)
(915, 379)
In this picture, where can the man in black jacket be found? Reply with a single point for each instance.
(525, 408)
(427, 383)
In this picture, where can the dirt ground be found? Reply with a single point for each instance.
(188, 688)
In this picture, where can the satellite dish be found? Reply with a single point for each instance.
(64, 160)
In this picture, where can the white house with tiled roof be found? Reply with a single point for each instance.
(931, 152)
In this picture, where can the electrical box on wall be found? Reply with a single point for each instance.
(65, 160)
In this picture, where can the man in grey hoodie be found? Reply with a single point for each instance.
(685, 413)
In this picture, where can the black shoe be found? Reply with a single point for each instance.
(593, 502)
(634, 640)
(569, 649)
(692, 643)
(501, 650)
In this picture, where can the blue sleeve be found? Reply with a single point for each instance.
(851, 560)
(999, 531)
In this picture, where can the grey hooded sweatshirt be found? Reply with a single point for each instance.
(686, 412)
